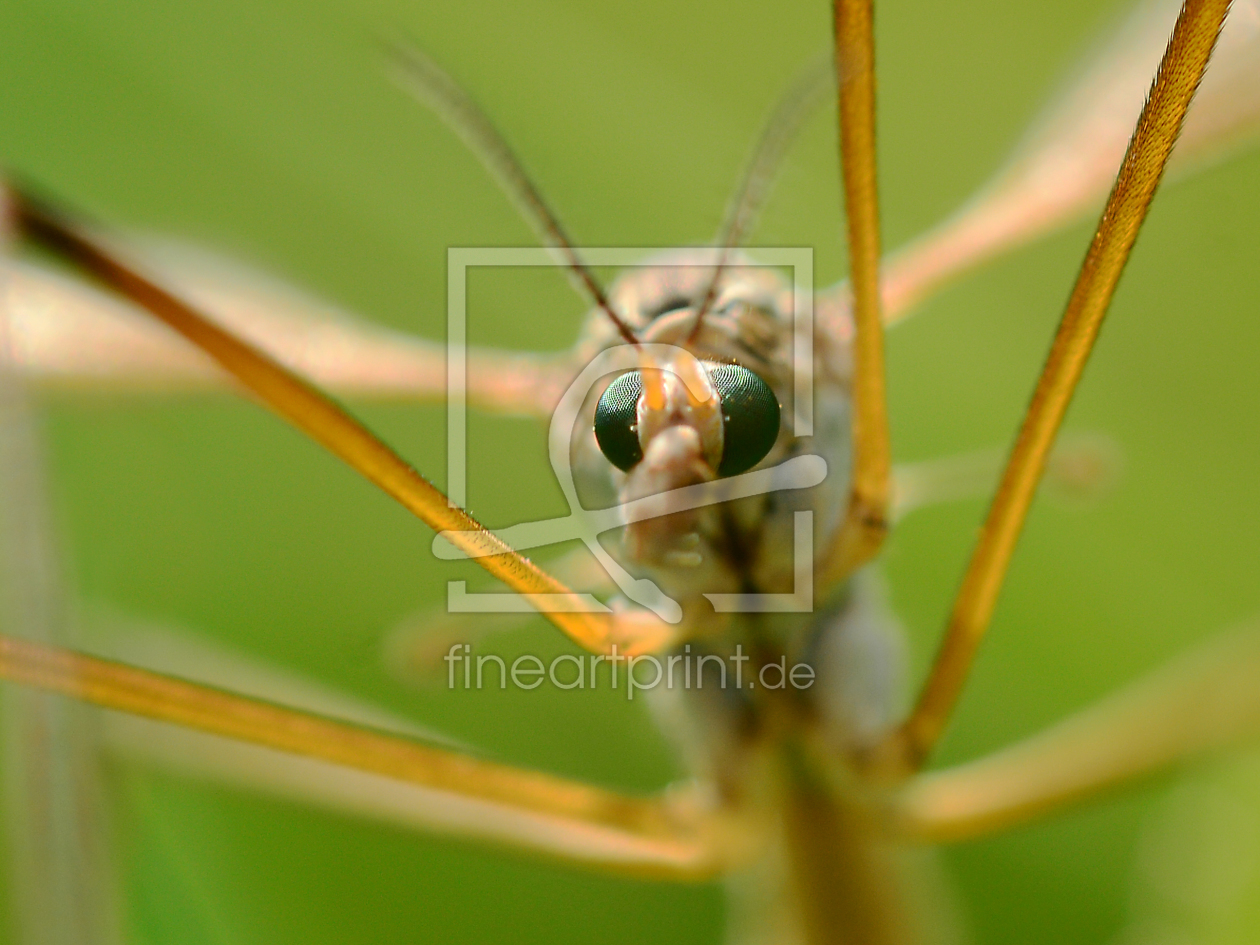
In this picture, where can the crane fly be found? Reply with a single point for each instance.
(812, 802)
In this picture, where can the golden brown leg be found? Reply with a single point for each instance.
(1208, 700)
(1184, 63)
(668, 837)
(866, 520)
(415, 647)
(315, 414)
(1062, 168)
(63, 331)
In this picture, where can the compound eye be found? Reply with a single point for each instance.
(750, 417)
(617, 421)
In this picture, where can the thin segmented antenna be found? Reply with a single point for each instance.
(806, 93)
(433, 86)
(1189, 50)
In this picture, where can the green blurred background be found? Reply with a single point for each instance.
(271, 130)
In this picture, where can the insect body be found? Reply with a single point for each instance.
(770, 750)
(803, 794)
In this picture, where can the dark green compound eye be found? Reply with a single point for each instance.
(750, 419)
(617, 421)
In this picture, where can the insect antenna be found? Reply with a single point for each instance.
(805, 94)
(433, 86)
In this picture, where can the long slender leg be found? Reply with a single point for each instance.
(176, 652)
(1066, 162)
(669, 837)
(64, 332)
(329, 786)
(319, 417)
(359, 794)
(866, 520)
(1205, 701)
(69, 335)
(1184, 63)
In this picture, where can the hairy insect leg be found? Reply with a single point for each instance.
(1205, 701)
(1184, 63)
(671, 836)
(1067, 159)
(331, 787)
(64, 332)
(866, 519)
(316, 415)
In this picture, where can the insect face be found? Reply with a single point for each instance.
(748, 410)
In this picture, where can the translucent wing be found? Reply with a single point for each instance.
(64, 332)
